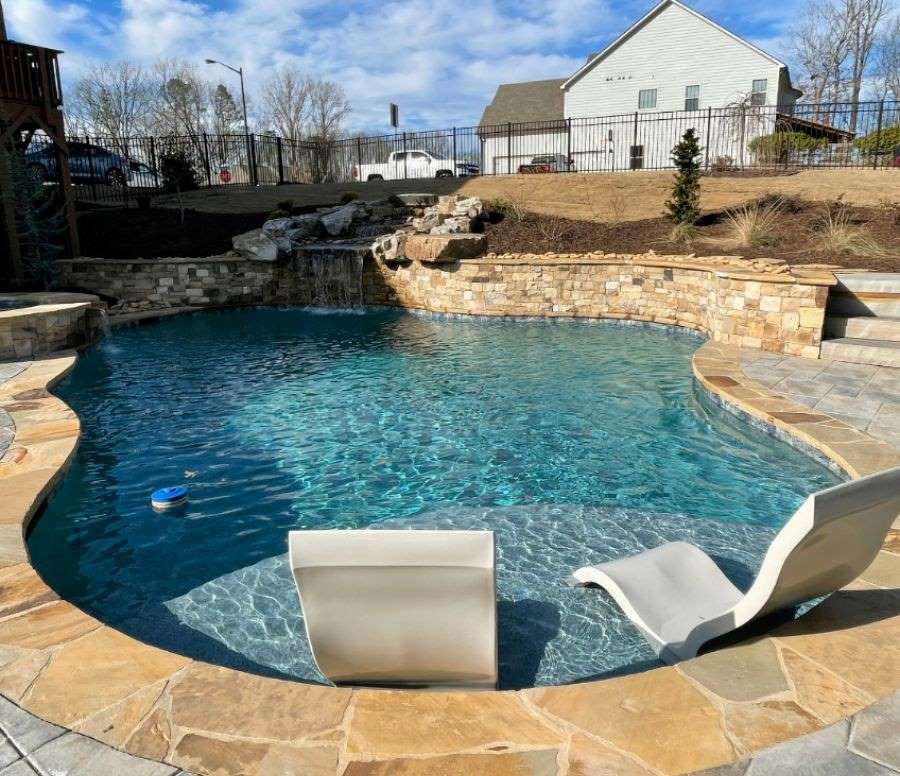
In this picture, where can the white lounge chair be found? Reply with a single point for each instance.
(680, 600)
(411, 608)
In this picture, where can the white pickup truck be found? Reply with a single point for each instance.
(414, 164)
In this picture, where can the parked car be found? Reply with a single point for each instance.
(414, 164)
(88, 163)
(548, 163)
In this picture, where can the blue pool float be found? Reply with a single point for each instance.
(166, 498)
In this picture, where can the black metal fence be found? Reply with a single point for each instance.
(836, 135)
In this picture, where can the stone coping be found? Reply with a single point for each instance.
(42, 309)
(734, 267)
(63, 665)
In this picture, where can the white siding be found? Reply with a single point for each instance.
(503, 154)
(673, 50)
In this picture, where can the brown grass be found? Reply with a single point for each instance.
(603, 197)
(754, 225)
(837, 233)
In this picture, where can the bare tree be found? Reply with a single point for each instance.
(286, 101)
(820, 44)
(863, 18)
(116, 99)
(2, 23)
(328, 107)
(887, 61)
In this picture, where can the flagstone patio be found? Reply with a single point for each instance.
(725, 710)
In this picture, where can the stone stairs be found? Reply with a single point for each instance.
(862, 322)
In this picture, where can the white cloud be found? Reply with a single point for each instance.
(441, 60)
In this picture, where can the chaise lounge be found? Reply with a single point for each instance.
(399, 608)
(680, 600)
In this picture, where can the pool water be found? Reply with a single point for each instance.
(575, 442)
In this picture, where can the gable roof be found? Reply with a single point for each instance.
(643, 21)
(526, 102)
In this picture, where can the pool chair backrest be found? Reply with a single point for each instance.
(399, 608)
(829, 542)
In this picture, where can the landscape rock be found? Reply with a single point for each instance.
(444, 248)
(390, 247)
(454, 225)
(256, 245)
(338, 220)
(470, 206)
(428, 221)
(286, 231)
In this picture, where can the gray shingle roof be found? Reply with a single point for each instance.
(529, 101)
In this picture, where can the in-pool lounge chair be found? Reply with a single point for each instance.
(680, 600)
(399, 608)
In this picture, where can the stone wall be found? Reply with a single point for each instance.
(46, 328)
(736, 302)
(776, 312)
(176, 282)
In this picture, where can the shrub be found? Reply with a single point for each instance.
(683, 206)
(836, 233)
(177, 172)
(753, 225)
(882, 142)
(347, 197)
(778, 146)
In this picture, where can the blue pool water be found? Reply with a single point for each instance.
(576, 442)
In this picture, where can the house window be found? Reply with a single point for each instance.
(758, 93)
(691, 97)
(646, 99)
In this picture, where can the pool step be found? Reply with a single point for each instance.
(863, 327)
(862, 351)
(865, 294)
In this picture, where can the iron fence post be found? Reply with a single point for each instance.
(455, 169)
(206, 160)
(254, 172)
(405, 159)
(359, 158)
(708, 135)
(509, 148)
(90, 158)
(153, 162)
(743, 132)
(568, 145)
(634, 142)
(280, 159)
(878, 135)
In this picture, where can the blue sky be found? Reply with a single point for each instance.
(440, 60)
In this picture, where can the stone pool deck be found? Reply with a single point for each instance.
(723, 710)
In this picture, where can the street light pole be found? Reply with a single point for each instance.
(240, 72)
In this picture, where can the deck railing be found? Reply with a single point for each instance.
(29, 75)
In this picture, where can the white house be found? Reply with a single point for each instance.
(673, 59)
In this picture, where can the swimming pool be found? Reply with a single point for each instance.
(577, 442)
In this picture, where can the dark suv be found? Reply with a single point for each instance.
(88, 163)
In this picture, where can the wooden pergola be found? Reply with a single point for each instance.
(30, 101)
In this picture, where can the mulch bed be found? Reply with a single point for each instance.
(795, 236)
(148, 234)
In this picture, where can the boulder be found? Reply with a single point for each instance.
(287, 231)
(444, 248)
(256, 245)
(414, 200)
(390, 247)
(470, 206)
(338, 220)
(454, 225)
(427, 221)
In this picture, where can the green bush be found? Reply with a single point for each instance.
(777, 146)
(348, 196)
(177, 172)
(884, 142)
(683, 207)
